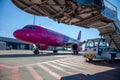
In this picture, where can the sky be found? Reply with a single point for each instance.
(12, 18)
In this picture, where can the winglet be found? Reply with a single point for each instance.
(79, 36)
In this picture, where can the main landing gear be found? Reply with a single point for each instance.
(75, 52)
(55, 51)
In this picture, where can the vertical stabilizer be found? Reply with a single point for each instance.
(79, 36)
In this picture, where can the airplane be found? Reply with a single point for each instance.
(43, 38)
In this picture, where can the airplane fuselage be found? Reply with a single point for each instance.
(38, 35)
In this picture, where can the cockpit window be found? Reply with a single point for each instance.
(29, 27)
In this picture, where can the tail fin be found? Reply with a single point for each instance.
(79, 36)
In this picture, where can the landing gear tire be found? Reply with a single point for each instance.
(90, 59)
(75, 52)
(36, 51)
(55, 51)
(112, 58)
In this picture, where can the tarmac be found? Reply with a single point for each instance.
(24, 65)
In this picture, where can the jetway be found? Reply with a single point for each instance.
(98, 14)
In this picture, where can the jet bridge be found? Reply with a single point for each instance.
(98, 14)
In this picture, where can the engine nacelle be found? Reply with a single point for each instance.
(42, 47)
(76, 47)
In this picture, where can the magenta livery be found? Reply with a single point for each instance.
(43, 38)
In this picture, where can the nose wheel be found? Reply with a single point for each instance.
(75, 52)
(36, 51)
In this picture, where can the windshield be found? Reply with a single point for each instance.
(29, 27)
(102, 43)
(90, 43)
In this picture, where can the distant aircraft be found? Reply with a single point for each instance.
(43, 38)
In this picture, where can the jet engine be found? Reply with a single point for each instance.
(76, 48)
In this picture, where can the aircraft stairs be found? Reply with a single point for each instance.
(83, 13)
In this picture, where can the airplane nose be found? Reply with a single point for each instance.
(18, 34)
(23, 35)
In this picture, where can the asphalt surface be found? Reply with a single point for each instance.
(24, 65)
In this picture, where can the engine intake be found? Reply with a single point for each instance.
(74, 46)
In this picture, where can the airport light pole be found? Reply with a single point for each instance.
(34, 20)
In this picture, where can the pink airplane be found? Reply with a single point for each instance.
(43, 38)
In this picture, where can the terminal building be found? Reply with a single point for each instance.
(10, 43)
